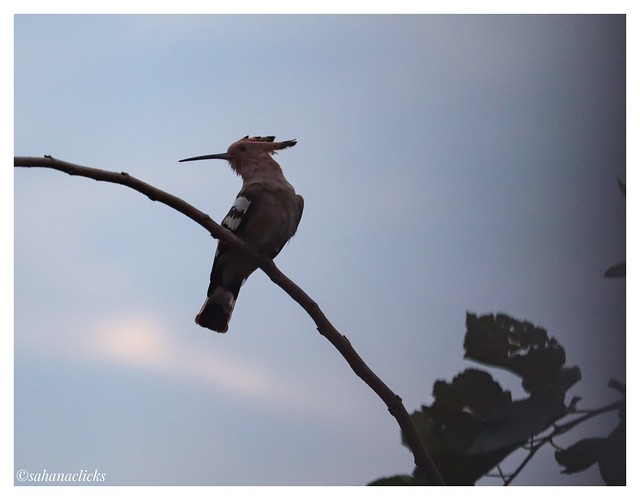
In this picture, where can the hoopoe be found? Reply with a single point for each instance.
(266, 215)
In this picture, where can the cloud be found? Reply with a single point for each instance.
(141, 341)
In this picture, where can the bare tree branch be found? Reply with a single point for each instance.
(394, 404)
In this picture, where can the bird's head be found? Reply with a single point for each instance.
(247, 150)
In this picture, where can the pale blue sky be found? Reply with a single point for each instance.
(448, 164)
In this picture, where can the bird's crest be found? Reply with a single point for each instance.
(268, 140)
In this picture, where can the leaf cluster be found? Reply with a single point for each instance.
(473, 424)
(608, 453)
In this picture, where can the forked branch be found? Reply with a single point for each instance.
(421, 457)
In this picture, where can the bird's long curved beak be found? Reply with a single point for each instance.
(219, 156)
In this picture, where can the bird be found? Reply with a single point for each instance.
(266, 214)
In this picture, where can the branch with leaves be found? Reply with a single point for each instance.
(582, 454)
(428, 472)
(473, 424)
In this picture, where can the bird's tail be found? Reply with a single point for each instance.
(217, 309)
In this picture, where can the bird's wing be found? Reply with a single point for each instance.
(256, 217)
(235, 221)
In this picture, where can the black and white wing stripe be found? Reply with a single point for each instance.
(234, 218)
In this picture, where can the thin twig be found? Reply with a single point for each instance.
(565, 427)
(559, 429)
(422, 458)
(529, 456)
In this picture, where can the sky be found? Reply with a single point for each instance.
(449, 164)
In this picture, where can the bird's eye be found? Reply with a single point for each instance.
(243, 148)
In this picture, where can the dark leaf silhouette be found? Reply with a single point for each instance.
(613, 462)
(618, 386)
(510, 426)
(623, 187)
(399, 480)
(617, 271)
(609, 453)
(581, 455)
(522, 348)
